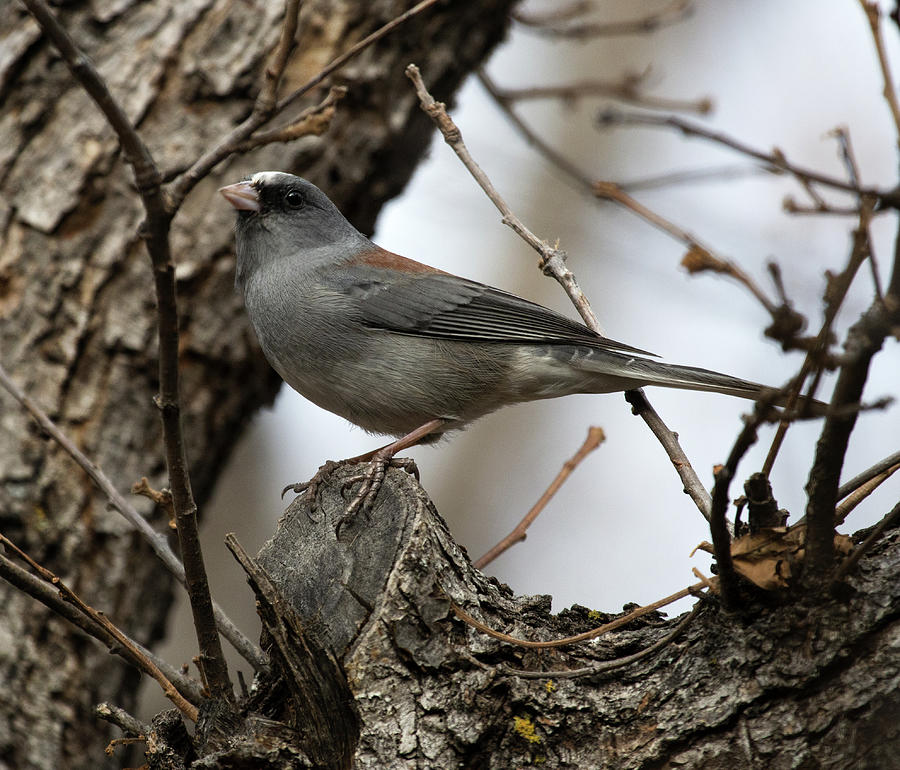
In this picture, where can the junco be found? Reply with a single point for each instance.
(404, 349)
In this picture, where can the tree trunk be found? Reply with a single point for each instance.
(784, 683)
(76, 296)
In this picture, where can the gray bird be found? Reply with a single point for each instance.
(400, 348)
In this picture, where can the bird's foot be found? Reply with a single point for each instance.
(315, 484)
(371, 478)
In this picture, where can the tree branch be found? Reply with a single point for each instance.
(595, 437)
(774, 160)
(249, 651)
(77, 612)
(155, 232)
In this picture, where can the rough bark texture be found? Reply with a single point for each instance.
(785, 683)
(76, 297)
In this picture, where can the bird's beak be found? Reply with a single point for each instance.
(242, 196)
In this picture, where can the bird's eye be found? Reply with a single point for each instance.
(294, 199)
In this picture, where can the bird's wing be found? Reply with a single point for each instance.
(436, 304)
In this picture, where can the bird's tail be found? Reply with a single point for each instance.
(615, 371)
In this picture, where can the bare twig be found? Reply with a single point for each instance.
(627, 89)
(861, 478)
(264, 109)
(640, 404)
(775, 160)
(553, 260)
(835, 292)
(557, 159)
(864, 340)
(693, 487)
(121, 719)
(889, 521)
(718, 525)
(97, 624)
(592, 634)
(157, 542)
(155, 231)
(50, 598)
(873, 15)
(847, 155)
(791, 206)
(313, 121)
(594, 438)
(278, 61)
(699, 257)
(262, 113)
(548, 24)
(691, 176)
(854, 498)
(606, 665)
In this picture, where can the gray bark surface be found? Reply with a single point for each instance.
(788, 682)
(76, 293)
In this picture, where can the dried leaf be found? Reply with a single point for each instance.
(771, 557)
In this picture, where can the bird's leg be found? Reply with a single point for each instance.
(378, 462)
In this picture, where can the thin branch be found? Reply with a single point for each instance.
(640, 403)
(121, 719)
(155, 231)
(693, 487)
(864, 340)
(83, 70)
(673, 13)
(592, 634)
(313, 121)
(553, 260)
(873, 15)
(95, 623)
(854, 498)
(341, 60)
(847, 155)
(835, 292)
(595, 437)
(264, 109)
(718, 524)
(790, 206)
(692, 176)
(50, 598)
(700, 256)
(861, 478)
(258, 117)
(606, 665)
(249, 651)
(773, 160)
(278, 61)
(889, 521)
(627, 89)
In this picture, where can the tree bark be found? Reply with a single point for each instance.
(76, 297)
(786, 682)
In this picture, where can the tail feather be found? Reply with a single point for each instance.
(693, 378)
(613, 371)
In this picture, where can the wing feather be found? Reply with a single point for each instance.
(448, 307)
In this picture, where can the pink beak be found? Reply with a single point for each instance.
(242, 196)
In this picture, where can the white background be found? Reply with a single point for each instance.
(621, 530)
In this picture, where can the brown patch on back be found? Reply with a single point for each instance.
(382, 258)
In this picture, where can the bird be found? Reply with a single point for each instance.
(403, 349)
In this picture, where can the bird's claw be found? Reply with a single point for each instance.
(372, 478)
(314, 485)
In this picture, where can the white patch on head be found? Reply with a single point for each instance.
(268, 177)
